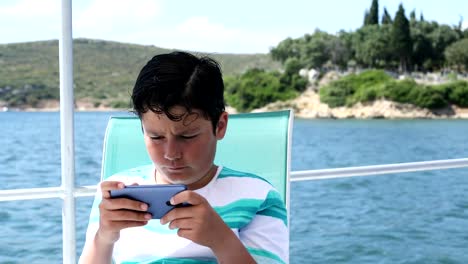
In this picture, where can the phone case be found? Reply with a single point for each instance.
(156, 196)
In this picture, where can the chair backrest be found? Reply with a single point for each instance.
(255, 142)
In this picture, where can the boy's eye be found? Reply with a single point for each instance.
(156, 138)
(188, 137)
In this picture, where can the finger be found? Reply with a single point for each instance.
(123, 203)
(190, 197)
(106, 186)
(182, 223)
(177, 213)
(185, 233)
(119, 225)
(125, 215)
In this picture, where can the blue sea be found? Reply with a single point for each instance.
(400, 218)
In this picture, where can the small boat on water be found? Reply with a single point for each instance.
(4, 109)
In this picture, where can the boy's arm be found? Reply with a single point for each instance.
(201, 224)
(108, 217)
(96, 251)
(266, 237)
(231, 250)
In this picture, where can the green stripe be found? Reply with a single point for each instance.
(274, 206)
(264, 254)
(226, 173)
(249, 205)
(273, 199)
(172, 261)
(239, 213)
(276, 213)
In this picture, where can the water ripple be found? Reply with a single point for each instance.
(400, 218)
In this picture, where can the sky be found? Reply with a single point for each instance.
(215, 26)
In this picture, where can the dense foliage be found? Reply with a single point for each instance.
(457, 54)
(376, 84)
(258, 87)
(395, 44)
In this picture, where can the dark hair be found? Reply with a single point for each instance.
(180, 79)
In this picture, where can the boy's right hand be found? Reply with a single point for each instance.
(118, 213)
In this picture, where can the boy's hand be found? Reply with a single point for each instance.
(199, 222)
(119, 213)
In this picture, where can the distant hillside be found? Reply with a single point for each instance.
(104, 71)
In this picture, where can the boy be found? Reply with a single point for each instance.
(235, 217)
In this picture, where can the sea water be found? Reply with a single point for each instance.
(419, 217)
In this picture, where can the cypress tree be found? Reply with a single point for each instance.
(401, 38)
(386, 18)
(374, 13)
(366, 18)
(413, 16)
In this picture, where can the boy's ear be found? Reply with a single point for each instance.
(222, 126)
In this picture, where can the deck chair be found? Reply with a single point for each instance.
(258, 143)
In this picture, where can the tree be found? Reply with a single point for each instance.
(291, 78)
(371, 44)
(256, 88)
(366, 18)
(286, 49)
(413, 16)
(341, 51)
(441, 37)
(386, 18)
(422, 56)
(401, 38)
(457, 54)
(316, 51)
(374, 13)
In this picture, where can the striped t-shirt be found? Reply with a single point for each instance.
(247, 203)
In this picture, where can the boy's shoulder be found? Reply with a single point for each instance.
(230, 173)
(243, 182)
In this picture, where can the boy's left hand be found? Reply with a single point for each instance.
(199, 222)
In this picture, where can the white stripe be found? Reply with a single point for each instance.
(227, 189)
(155, 244)
(267, 233)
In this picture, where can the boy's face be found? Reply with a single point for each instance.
(182, 151)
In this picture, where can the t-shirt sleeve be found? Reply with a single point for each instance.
(266, 237)
(93, 222)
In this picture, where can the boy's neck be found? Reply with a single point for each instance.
(196, 185)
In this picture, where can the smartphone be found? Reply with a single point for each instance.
(157, 196)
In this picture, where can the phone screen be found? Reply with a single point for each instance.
(156, 196)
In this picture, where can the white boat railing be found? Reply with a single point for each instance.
(69, 193)
(67, 144)
(305, 175)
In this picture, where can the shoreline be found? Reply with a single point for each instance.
(305, 106)
(309, 106)
(297, 114)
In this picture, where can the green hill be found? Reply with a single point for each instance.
(104, 71)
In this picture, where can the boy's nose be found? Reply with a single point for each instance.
(172, 151)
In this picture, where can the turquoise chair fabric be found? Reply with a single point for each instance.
(255, 142)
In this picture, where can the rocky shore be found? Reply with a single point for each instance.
(308, 105)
